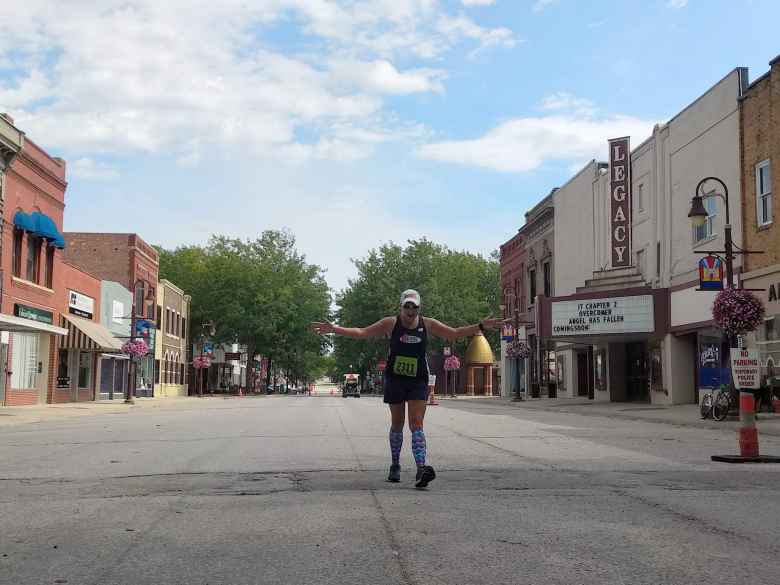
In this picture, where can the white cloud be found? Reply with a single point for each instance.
(677, 4)
(89, 169)
(382, 77)
(565, 101)
(524, 144)
(163, 76)
(478, 2)
(540, 5)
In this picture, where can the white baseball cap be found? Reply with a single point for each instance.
(410, 296)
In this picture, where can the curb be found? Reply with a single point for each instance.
(696, 423)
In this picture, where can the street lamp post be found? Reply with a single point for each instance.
(212, 330)
(514, 308)
(133, 369)
(698, 215)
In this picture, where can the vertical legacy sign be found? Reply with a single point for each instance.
(620, 197)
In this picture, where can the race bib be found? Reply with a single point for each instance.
(405, 366)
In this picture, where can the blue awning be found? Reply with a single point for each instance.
(40, 224)
(24, 221)
(46, 228)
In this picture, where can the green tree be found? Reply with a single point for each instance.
(260, 293)
(458, 288)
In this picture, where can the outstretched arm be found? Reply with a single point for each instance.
(381, 327)
(439, 329)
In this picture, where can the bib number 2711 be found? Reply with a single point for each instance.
(405, 366)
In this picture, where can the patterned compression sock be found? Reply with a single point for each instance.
(396, 441)
(418, 447)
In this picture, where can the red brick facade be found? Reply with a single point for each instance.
(34, 182)
(123, 258)
(513, 257)
(759, 111)
(75, 279)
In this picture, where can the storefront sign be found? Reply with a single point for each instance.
(232, 355)
(80, 305)
(63, 382)
(746, 368)
(34, 314)
(603, 316)
(711, 273)
(620, 197)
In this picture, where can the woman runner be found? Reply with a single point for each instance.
(406, 374)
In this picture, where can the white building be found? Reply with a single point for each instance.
(643, 332)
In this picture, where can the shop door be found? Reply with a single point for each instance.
(120, 378)
(106, 377)
(584, 375)
(637, 382)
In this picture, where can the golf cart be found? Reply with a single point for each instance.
(351, 386)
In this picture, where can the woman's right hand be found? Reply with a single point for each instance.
(323, 328)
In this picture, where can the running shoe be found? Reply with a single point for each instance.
(395, 473)
(425, 475)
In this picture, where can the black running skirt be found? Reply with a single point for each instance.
(400, 390)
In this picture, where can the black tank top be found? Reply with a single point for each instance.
(407, 358)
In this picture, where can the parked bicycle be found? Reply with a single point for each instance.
(716, 404)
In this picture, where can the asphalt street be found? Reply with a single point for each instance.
(292, 490)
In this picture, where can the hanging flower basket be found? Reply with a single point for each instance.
(518, 349)
(201, 362)
(737, 311)
(135, 348)
(452, 363)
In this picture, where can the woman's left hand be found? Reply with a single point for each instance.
(492, 323)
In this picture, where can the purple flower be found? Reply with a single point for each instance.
(737, 311)
(135, 348)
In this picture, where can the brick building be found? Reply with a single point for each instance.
(173, 310)
(79, 352)
(759, 112)
(130, 261)
(513, 299)
(31, 241)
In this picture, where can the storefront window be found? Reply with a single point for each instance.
(24, 360)
(63, 356)
(48, 275)
(16, 260)
(85, 369)
(33, 258)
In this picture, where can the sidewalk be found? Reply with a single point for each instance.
(682, 415)
(16, 415)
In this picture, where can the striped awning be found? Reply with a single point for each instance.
(87, 335)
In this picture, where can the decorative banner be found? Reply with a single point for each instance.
(603, 316)
(620, 197)
(745, 368)
(711, 273)
(507, 332)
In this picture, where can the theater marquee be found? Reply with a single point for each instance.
(603, 316)
(620, 198)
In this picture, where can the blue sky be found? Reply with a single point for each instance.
(353, 122)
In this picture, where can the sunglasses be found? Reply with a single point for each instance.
(411, 307)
